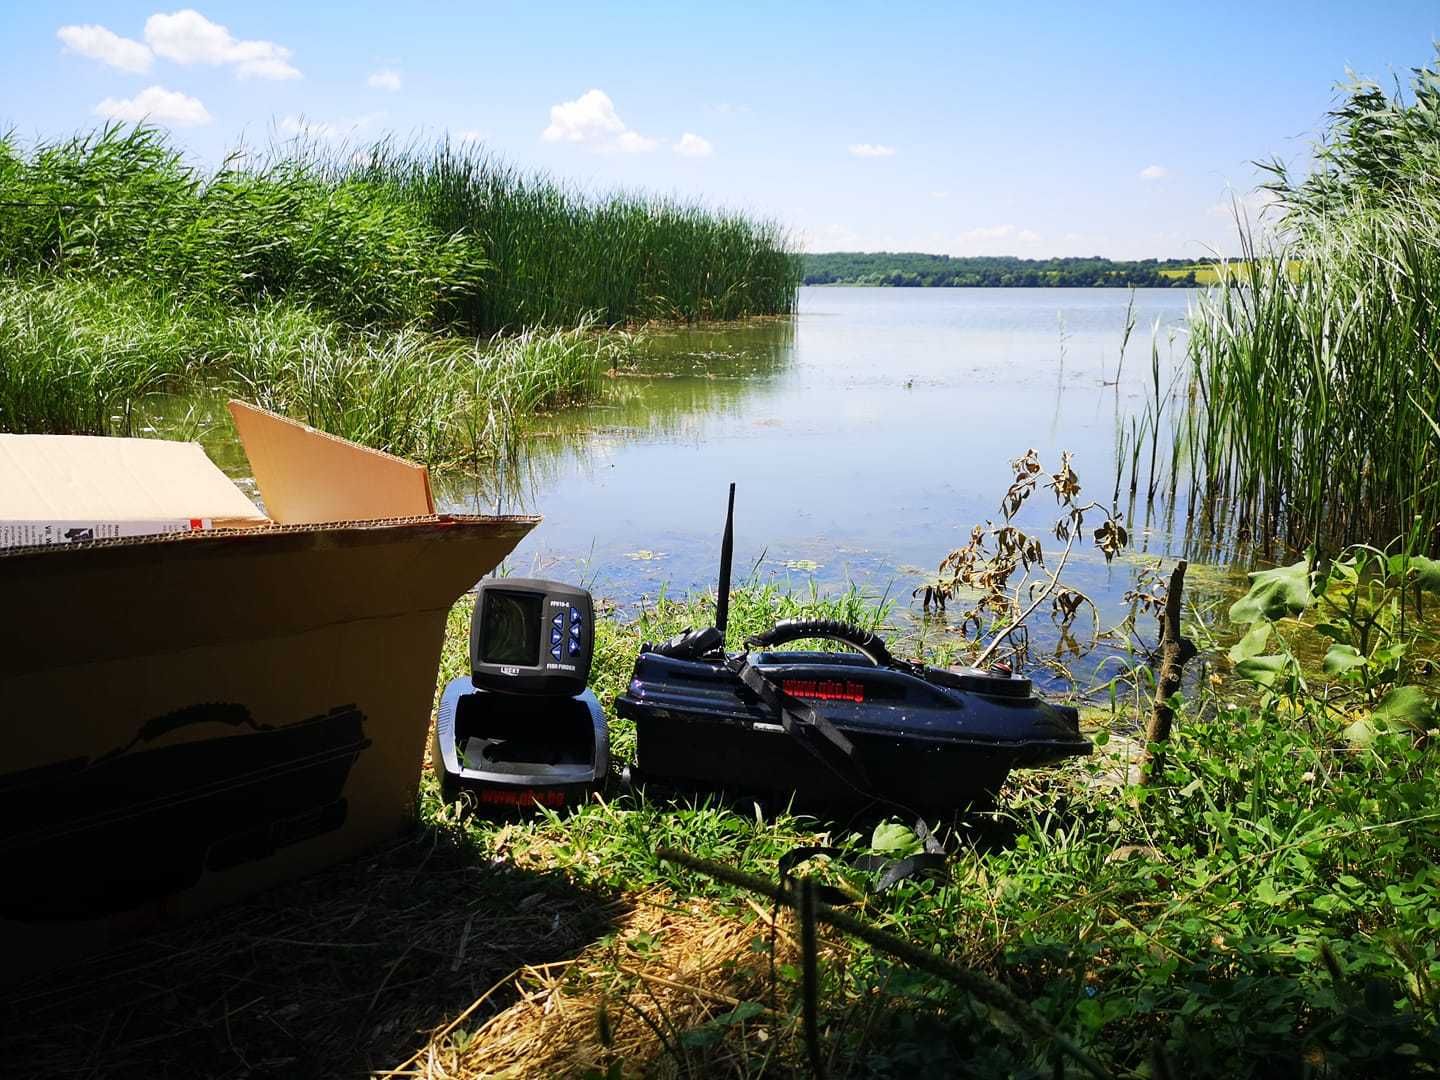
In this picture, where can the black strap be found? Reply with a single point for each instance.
(804, 724)
(828, 743)
(891, 871)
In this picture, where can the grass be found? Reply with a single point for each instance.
(1268, 909)
(1221, 272)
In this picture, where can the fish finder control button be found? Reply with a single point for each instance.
(575, 631)
(557, 633)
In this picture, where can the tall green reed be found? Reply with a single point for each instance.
(450, 236)
(1311, 414)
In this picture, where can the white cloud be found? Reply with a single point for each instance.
(1154, 172)
(385, 80)
(632, 142)
(104, 45)
(939, 194)
(187, 37)
(468, 135)
(331, 131)
(157, 105)
(871, 150)
(692, 145)
(591, 119)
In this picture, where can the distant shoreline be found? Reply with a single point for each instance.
(909, 269)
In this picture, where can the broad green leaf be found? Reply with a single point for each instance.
(1275, 594)
(1409, 706)
(1252, 644)
(1343, 658)
(1360, 734)
(1424, 573)
(895, 839)
(1263, 670)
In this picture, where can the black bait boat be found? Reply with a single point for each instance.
(857, 729)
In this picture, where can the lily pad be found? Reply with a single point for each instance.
(645, 555)
(808, 565)
(1275, 594)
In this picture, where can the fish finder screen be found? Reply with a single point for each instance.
(511, 629)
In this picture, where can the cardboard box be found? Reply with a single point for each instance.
(187, 718)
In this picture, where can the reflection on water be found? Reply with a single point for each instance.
(683, 379)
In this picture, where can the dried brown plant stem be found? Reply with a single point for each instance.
(1175, 650)
(1035, 603)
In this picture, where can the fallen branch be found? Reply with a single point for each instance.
(981, 987)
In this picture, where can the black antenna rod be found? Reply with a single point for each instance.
(727, 552)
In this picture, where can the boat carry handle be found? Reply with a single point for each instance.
(863, 641)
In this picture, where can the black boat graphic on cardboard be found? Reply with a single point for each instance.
(140, 822)
(832, 730)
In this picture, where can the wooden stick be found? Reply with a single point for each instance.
(980, 986)
(1175, 650)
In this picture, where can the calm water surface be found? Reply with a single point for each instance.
(866, 436)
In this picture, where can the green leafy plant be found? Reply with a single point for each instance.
(1366, 608)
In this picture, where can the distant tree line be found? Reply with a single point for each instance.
(913, 269)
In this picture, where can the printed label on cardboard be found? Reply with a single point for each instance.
(40, 533)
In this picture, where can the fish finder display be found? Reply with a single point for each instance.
(511, 628)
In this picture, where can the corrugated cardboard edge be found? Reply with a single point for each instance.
(307, 476)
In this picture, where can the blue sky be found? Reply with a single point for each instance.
(1033, 129)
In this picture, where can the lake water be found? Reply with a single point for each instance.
(866, 436)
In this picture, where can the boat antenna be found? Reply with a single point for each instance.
(727, 551)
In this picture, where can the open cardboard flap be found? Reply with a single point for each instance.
(185, 719)
(307, 476)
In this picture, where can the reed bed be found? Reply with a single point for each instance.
(559, 252)
(1311, 411)
(448, 236)
(425, 302)
(96, 358)
(1318, 395)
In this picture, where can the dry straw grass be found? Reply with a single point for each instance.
(670, 968)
